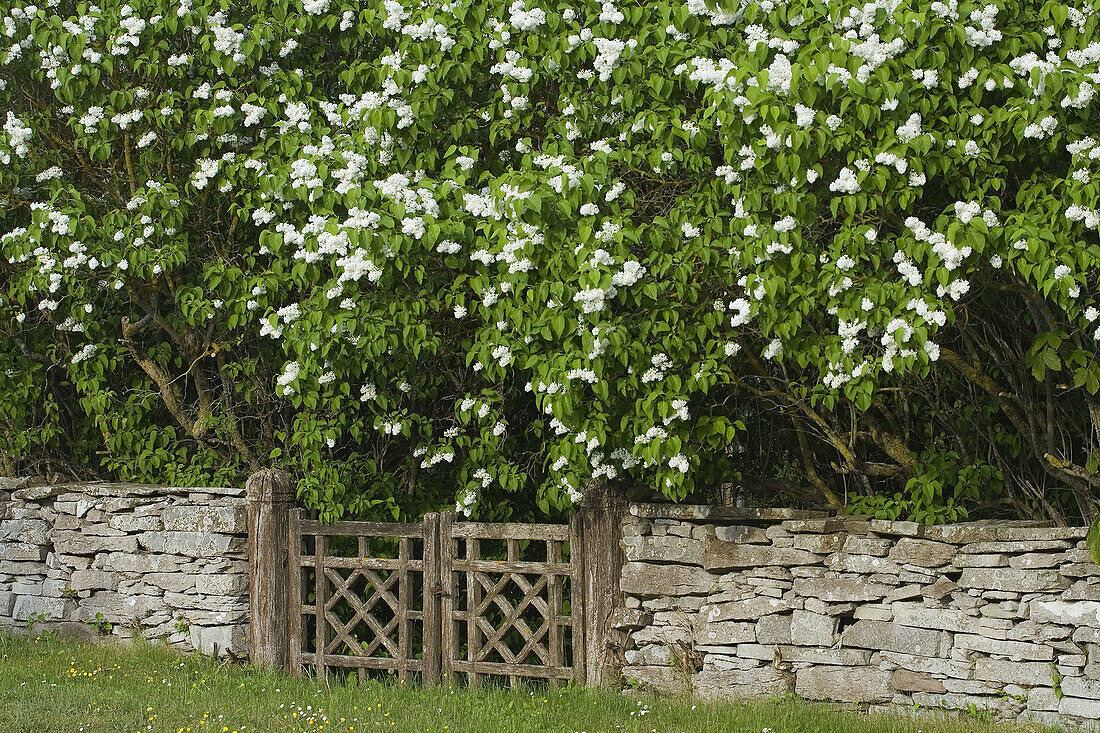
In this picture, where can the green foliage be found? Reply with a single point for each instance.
(520, 250)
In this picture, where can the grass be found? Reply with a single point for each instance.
(49, 686)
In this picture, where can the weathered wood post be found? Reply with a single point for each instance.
(600, 526)
(433, 596)
(270, 502)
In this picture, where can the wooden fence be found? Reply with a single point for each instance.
(433, 601)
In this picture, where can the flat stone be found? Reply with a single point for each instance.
(22, 552)
(692, 512)
(649, 579)
(118, 608)
(773, 629)
(1032, 560)
(31, 531)
(1075, 613)
(1011, 579)
(667, 549)
(860, 564)
(995, 560)
(930, 665)
(191, 544)
(1014, 650)
(742, 534)
(1082, 708)
(946, 619)
(77, 543)
(726, 633)
(52, 608)
(1080, 687)
(621, 617)
(1015, 547)
(840, 589)
(224, 520)
(132, 523)
(659, 678)
(866, 546)
(925, 553)
(894, 637)
(133, 562)
(804, 655)
(821, 544)
(93, 580)
(737, 684)
(728, 555)
(749, 609)
(812, 629)
(844, 684)
(220, 640)
(906, 680)
(1017, 673)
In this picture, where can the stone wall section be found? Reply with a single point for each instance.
(160, 562)
(729, 603)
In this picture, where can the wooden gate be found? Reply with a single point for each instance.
(437, 599)
(512, 604)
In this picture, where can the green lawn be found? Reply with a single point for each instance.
(48, 685)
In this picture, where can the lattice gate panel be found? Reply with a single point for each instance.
(365, 598)
(511, 602)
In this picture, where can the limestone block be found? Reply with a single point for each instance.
(774, 629)
(1018, 673)
(220, 640)
(1014, 650)
(1075, 613)
(844, 684)
(749, 609)
(873, 611)
(649, 579)
(7, 602)
(951, 701)
(31, 531)
(991, 560)
(804, 654)
(725, 633)
(905, 680)
(133, 523)
(621, 617)
(862, 564)
(1081, 687)
(821, 544)
(52, 608)
(945, 619)
(866, 546)
(175, 582)
(660, 679)
(22, 552)
(834, 590)
(1085, 708)
(1032, 560)
(133, 562)
(668, 549)
(740, 683)
(206, 519)
(220, 617)
(727, 555)
(1013, 580)
(78, 543)
(116, 607)
(205, 602)
(650, 655)
(741, 534)
(930, 665)
(93, 580)
(813, 629)
(894, 637)
(192, 544)
(1016, 547)
(897, 529)
(973, 687)
(925, 553)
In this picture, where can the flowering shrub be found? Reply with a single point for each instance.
(508, 245)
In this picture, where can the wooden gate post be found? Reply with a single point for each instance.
(600, 520)
(270, 501)
(433, 596)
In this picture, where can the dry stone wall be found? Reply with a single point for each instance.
(162, 562)
(730, 603)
